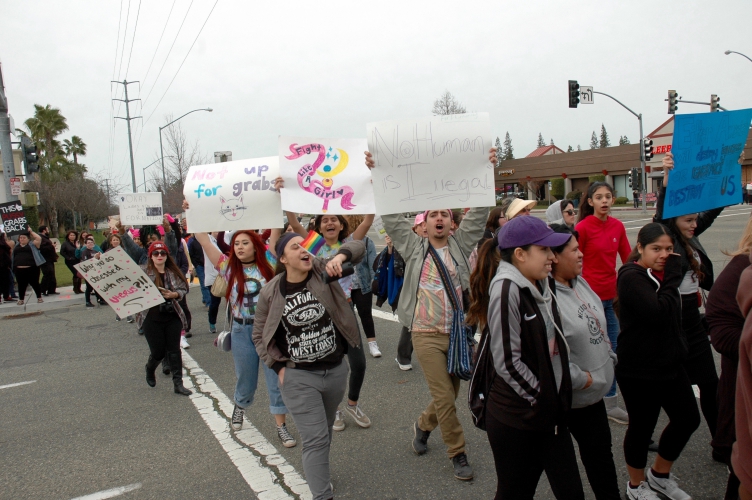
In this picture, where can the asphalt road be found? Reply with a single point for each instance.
(89, 422)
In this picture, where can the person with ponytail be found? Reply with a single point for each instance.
(602, 237)
(652, 350)
(247, 269)
(697, 273)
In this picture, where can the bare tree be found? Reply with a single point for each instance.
(534, 186)
(447, 105)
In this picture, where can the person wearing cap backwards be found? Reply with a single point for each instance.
(425, 309)
(304, 327)
(162, 323)
(532, 394)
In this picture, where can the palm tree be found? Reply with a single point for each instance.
(46, 124)
(76, 147)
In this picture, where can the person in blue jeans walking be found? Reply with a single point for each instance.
(247, 269)
(196, 254)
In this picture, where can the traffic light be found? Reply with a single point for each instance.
(672, 97)
(714, 102)
(632, 183)
(31, 159)
(648, 143)
(574, 93)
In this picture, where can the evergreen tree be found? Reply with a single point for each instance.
(541, 142)
(623, 140)
(499, 151)
(593, 141)
(508, 149)
(604, 143)
(569, 149)
(552, 142)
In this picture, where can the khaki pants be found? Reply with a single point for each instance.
(431, 349)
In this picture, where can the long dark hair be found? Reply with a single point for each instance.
(480, 280)
(585, 207)
(679, 238)
(169, 265)
(344, 233)
(492, 223)
(647, 235)
(69, 233)
(237, 277)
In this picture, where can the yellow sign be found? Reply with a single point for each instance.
(506, 173)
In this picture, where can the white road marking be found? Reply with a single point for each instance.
(697, 391)
(378, 313)
(267, 472)
(17, 384)
(114, 492)
(744, 212)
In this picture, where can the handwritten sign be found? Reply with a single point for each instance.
(140, 208)
(325, 176)
(120, 282)
(429, 163)
(233, 195)
(706, 172)
(14, 220)
(378, 226)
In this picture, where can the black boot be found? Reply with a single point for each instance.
(166, 366)
(151, 366)
(77, 285)
(176, 366)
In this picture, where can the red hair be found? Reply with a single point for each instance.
(235, 266)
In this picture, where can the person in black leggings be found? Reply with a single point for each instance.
(25, 267)
(361, 294)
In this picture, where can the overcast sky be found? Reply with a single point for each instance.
(325, 69)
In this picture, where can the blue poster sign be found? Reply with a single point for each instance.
(706, 172)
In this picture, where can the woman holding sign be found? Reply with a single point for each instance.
(24, 265)
(697, 273)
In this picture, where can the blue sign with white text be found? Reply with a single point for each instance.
(706, 172)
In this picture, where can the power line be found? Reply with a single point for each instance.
(117, 43)
(184, 59)
(114, 65)
(125, 32)
(133, 40)
(159, 42)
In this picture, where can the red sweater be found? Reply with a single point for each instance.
(599, 243)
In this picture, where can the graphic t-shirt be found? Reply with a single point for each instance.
(330, 251)
(308, 335)
(254, 280)
(433, 309)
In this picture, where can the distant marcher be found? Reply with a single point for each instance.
(25, 266)
(47, 249)
(562, 212)
(519, 207)
(635, 197)
(68, 251)
(5, 264)
(90, 252)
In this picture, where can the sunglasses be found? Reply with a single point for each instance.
(570, 212)
(159, 253)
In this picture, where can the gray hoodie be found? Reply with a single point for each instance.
(584, 324)
(554, 214)
(496, 316)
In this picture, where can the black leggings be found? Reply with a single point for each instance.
(88, 291)
(162, 332)
(644, 400)
(4, 283)
(26, 276)
(214, 310)
(364, 303)
(522, 456)
(356, 358)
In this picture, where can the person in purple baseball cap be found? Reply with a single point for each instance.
(529, 399)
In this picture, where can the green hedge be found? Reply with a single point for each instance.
(32, 216)
(597, 178)
(557, 188)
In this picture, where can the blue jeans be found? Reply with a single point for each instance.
(205, 295)
(247, 370)
(613, 332)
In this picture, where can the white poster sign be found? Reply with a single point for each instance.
(325, 176)
(120, 282)
(233, 195)
(140, 208)
(432, 163)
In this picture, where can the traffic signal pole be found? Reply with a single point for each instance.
(5, 146)
(128, 119)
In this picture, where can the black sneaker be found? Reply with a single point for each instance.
(89, 304)
(237, 418)
(462, 469)
(420, 441)
(188, 335)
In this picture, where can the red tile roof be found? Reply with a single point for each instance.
(544, 150)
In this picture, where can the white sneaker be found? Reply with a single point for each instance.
(666, 487)
(374, 348)
(184, 343)
(404, 368)
(339, 422)
(642, 492)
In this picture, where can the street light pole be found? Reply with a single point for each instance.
(735, 52)
(161, 152)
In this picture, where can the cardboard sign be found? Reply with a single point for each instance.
(325, 176)
(432, 163)
(706, 172)
(233, 195)
(120, 282)
(14, 220)
(140, 208)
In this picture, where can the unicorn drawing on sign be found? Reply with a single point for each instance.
(329, 163)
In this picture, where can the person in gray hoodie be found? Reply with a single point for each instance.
(591, 365)
(561, 212)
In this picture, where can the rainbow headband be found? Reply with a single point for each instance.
(313, 242)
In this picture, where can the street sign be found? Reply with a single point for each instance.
(586, 95)
(15, 186)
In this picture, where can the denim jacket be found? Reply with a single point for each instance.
(364, 270)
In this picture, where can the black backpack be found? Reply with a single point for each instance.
(481, 380)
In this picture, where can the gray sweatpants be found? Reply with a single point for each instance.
(312, 397)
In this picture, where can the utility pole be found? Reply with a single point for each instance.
(5, 146)
(109, 200)
(128, 119)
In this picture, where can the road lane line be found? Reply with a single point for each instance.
(114, 492)
(726, 215)
(17, 384)
(378, 313)
(267, 472)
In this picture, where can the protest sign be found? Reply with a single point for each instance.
(120, 282)
(325, 176)
(706, 172)
(431, 163)
(14, 220)
(233, 195)
(140, 208)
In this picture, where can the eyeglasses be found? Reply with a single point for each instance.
(525, 210)
(570, 212)
(159, 253)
